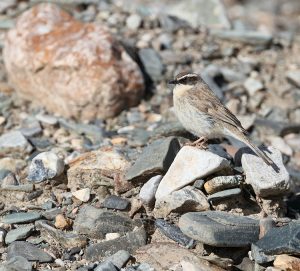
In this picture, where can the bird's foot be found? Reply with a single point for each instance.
(200, 143)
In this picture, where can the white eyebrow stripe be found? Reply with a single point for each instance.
(187, 76)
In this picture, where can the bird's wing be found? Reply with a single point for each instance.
(204, 100)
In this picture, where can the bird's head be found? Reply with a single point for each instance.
(185, 78)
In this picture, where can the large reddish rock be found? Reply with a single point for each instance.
(72, 68)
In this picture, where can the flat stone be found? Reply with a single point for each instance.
(28, 251)
(14, 143)
(220, 229)
(184, 200)
(285, 262)
(154, 160)
(148, 190)
(222, 182)
(91, 168)
(152, 63)
(129, 242)
(18, 234)
(82, 194)
(278, 240)
(173, 232)
(115, 202)
(190, 164)
(119, 259)
(17, 218)
(293, 77)
(229, 193)
(47, 119)
(263, 178)
(66, 239)
(96, 223)
(16, 263)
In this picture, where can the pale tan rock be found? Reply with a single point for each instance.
(62, 222)
(82, 194)
(72, 68)
(287, 263)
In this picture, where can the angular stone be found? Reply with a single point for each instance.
(155, 159)
(184, 200)
(229, 193)
(294, 77)
(130, 242)
(285, 263)
(119, 259)
(45, 166)
(17, 218)
(82, 194)
(173, 232)
(66, 239)
(16, 263)
(220, 229)
(279, 240)
(96, 222)
(115, 202)
(14, 143)
(222, 182)
(148, 190)
(252, 86)
(190, 164)
(92, 169)
(70, 67)
(18, 234)
(28, 251)
(263, 178)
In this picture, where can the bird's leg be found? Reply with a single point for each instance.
(200, 143)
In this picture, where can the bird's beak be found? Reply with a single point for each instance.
(172, 82)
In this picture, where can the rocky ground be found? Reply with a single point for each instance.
(95, 173)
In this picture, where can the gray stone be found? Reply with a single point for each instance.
(294, 77)
(28, 251)
(106, 266)
(31, 128)
(186, 199)
(14, 142)
(148, 190)
(248, 37)
(278, 240)
(133, 21)
(4, 173)
(152, 63)
(199, 184)
(96, 222)
(155, 159)
(47, 119)
(252, 86)
(18, 234)
(264, 179)
(229, 193)
(145, 267)
(119, 259)
(115, 202)
(17, 218)
(200, 12)
(218, 150)
(173, 232)
(66, 239)
(170, 129)
(16, 263)
(190, 164)
(10, 179)
(130, 242)
(220, 229)
(45, 166)
(222, 182)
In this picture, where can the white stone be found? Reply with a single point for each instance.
(148, 190)
(252, 86)
(134, 21)
(47, 119)
(14, 141)
(112, 236)
(190, 164)
(263, 178)
(279, 143)
(187, 199)
(82, 194)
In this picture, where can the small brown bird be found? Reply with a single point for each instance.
(202, 113)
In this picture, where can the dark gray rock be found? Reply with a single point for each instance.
(97, 222)
(170, 129)
(130, 242)
(28, 251)
(217, 149)
(18, 234)
(4, 173)
(17, 218)
(115, 202)
(220, 229)
(229, 193)
(199, 184)
(106, 266)
(152, 63)
(280, 240)
(119, 259)
(154, 160)
(16, 263)
(173, 232)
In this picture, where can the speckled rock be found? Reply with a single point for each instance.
(72, 68)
